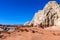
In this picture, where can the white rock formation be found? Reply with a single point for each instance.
(50, 15)
(27, 23)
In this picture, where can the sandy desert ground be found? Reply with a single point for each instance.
(31, 33)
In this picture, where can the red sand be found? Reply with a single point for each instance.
(31, 34)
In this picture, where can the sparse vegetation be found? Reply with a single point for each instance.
(33, 31)
(1, 36)
(26, 30)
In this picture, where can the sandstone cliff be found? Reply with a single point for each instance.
(49, 16)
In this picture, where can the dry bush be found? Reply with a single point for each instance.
(33, 31)
(21, 30)
(1, 36)
(26, 30)
(56, 34)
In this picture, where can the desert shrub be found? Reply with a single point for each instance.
(21, 30)
(26, 30)
(1, 36)
(8, 32)
(18, 31)
(33, 31)
(54, 34)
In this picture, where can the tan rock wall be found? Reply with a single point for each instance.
(50, 15)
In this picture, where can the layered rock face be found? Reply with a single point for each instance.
(49, 16)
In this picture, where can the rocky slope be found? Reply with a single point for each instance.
(49, 16)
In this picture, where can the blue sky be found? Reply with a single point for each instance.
(19, 11)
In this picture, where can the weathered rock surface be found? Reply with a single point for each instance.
(49, 16)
